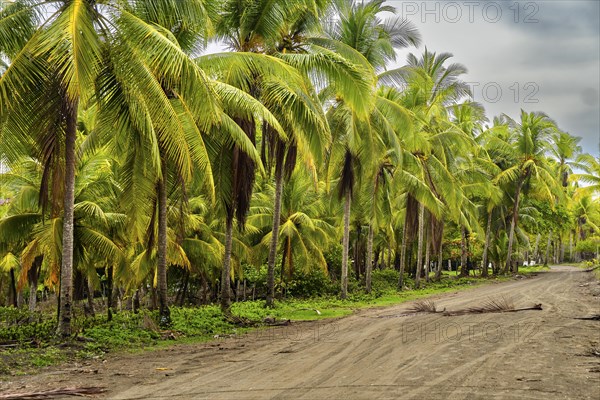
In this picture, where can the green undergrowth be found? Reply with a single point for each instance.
(533, 269)
(593, 265)
(28, 340)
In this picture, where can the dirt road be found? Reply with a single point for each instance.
(379, 354)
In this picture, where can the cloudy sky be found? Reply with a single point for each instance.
(531, 55)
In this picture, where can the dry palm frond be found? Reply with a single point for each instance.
(493, 306)
(240, 321)
(423, 306)
(48, 394)
(595, 317)
(594, 352)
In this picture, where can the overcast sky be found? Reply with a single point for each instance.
(531, 55)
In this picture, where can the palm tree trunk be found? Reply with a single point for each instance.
(226, 272)
(163, 306)
(536, 255)
(283, 261)
(346, 245)
(109, 293)
(427, 254)
(90, 299)
(274, 234)
(369, 266)
(570, 246)
(548, 248)
(513, 225)
(464, 268)
(33, 276)
(66, 269)
(420, 246)
(403, 254)
(486, 246)
(438, 271)
(561, 250)
(13, 289)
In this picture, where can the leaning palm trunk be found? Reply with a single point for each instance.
(513, 225)
(66, 269)
(163, 306)
(369, 266)
(346, 245)
(226, 272)
(420, 246)
(488, 232)
(274, 234)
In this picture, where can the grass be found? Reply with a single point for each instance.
(137, 332)
(533, 269)
(591, 264)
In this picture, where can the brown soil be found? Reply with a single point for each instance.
(380, 354)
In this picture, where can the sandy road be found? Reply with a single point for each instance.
(379, 354)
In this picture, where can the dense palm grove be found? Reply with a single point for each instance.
(136, 166)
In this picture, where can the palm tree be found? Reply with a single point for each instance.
(305, 232)
(530, 141)
(430, 90)
(286, 30)
(360, 27)
(287, 104)
(591, 173)
(61, 59)
(564, 151)
(35, 233)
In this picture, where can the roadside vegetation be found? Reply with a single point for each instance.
(151, 191)
(29, 340)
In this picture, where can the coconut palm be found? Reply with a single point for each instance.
(530, 140)
(304, 231)
(36, 234)
(356, 136)
(591, 175)
(61, 60)
(430, 90)
(286, 30)
(564, 150)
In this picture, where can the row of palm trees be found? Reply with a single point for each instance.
(129, 152)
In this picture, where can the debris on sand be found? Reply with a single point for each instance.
(490, 306)
(493, 306)
(594, 317)
(49, 394)
(593, 352)
(423, 306)
(272, 321)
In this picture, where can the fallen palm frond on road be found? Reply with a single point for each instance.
(595, 317)
(49, 394)
(489, 306)
(492, 306)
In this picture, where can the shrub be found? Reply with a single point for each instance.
(384, 281)
(310, 284)
(201, 321)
